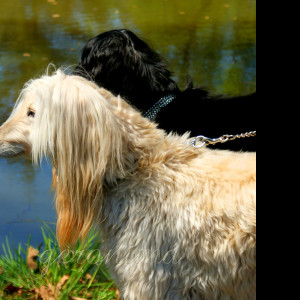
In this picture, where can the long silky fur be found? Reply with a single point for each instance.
(176, 222)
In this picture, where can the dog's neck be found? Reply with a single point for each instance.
(143, 142)
(139, 135)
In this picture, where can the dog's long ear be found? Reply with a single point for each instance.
(84, 144)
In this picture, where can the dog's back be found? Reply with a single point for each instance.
(187, 225)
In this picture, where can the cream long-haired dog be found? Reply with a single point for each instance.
(177, 222)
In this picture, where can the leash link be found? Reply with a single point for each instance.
(201, 140)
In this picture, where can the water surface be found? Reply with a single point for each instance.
(214, 41)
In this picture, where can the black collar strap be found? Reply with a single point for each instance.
(155, 109)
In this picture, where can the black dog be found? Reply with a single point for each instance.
(125, 65)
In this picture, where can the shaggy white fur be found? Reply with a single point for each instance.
(177, 223)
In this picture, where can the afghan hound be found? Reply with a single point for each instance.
(122, 63)
(177, 223)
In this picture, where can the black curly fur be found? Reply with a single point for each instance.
(124, 64)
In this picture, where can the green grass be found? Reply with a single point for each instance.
(73, 273)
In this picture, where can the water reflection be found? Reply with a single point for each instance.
(25, 199)
(214, 41)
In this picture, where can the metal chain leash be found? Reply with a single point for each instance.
(201, 140)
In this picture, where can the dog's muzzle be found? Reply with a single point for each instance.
(10, 150)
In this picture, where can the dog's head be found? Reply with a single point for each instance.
(124, 64)
(56, 113)
(69, 120)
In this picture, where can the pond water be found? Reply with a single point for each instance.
(214, 41)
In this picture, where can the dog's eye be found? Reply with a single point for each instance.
(31, 113)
